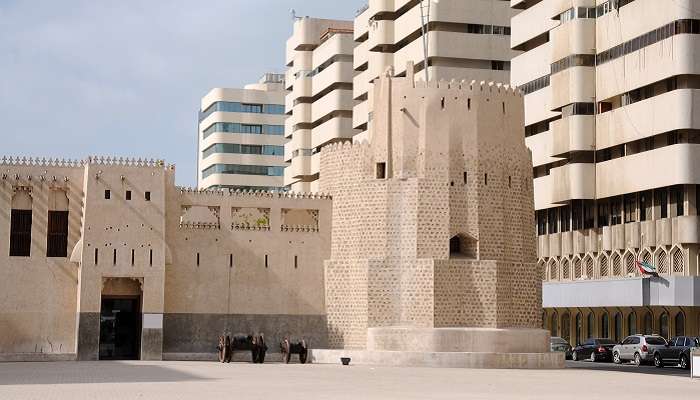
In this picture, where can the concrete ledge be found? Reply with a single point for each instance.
(37, 357)
(237, 357)
(458, 340)
(441, 360)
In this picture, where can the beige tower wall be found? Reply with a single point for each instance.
(391, 234)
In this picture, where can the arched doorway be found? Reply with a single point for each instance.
(579, 323)
(680, 324)
(554, 327)
(663, 325)
(590, 325)
(605, 325)
(120, 319)
(566, 326)
(617, 321)
(631, 324)
(648, 324)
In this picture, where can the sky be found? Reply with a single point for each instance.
(125, 78)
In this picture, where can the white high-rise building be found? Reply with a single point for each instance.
(610, 98)
(319, 104)
(241, 137)
(333, 63)
(466, 40)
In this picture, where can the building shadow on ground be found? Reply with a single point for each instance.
(57, 373)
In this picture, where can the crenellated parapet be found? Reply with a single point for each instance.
(251, 194)
(41, 162)
(472, 86)
(128, 162)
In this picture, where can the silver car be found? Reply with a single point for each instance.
(638, 348)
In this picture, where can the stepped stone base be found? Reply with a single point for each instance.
(441, 359)
(450, 348)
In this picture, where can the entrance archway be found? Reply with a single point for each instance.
(120, 319)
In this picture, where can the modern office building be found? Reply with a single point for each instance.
(611, 92)
(319, 105)
(241, 137)
(466, 40)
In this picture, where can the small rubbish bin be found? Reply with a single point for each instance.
(345, 360)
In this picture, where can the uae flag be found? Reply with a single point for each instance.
(646, 269)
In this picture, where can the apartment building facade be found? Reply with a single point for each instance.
(320, 102)
(241, 137)
(467, 40)
(610, 90)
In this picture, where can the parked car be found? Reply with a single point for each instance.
(594, 349)
(638, 348)
(677, 352)
(561, 345)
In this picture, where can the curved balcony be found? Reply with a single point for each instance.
(335, 128)
(666, 112)
(573, 181)
(522, 27)
(573, 85)
(573, 37)
(334, 101)
(339, 72)
(381, 35)
(300, 167)
(665, 166)
(302, 88)
(573, 133)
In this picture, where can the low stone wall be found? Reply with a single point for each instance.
(192, 334)
(442, 360)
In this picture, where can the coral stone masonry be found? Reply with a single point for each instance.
(433, 258)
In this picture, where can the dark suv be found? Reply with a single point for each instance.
(677, 352)
(594, 349)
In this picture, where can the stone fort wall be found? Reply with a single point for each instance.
(456, 165)
(204, 262)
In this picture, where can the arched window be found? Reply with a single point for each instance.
(648, 324)
(632, 324)
(579, 323)
(663, 325)
(544, 319)
(590, 325)
(680, 324)
(566, 326)
(604, 325)
(554, 328)
(618, 327)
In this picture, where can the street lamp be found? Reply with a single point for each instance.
(424, 19)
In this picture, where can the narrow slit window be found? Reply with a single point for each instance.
(198, 259)
(230, 260)
(147, 195)
(381, 170)
(465, 177)
(296, 262)
(486, 179)
(132, 257)
(114, 256)
(150, 258)
(96, 255)
(510, 181)
(442, 103)
(469, 104)
(266, 265)
(128, 195)
(108, 194)
(504, 107)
